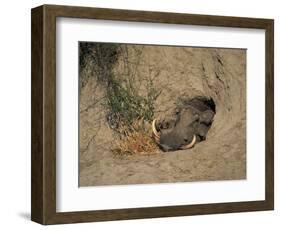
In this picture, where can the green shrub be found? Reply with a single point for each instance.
(124, 103)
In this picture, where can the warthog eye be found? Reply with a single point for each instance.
(165, 125)
(185, 139)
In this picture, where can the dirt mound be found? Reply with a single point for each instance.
(178, 72)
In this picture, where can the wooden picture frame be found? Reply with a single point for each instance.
(43, 205)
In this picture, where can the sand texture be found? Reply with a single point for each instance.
(183, 72)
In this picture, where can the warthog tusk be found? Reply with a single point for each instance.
(191, 144)
(154, 131)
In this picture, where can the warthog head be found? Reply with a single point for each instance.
(188, 126)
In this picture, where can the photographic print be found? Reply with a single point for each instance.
(178, 104)
(161, 114)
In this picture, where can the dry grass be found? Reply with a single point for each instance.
(137, 140)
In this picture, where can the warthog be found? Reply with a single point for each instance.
(188, 125)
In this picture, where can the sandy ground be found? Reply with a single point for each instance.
(179, 72)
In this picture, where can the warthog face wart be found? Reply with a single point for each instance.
(188, 126)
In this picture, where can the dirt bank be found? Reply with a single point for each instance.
(177, 72)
